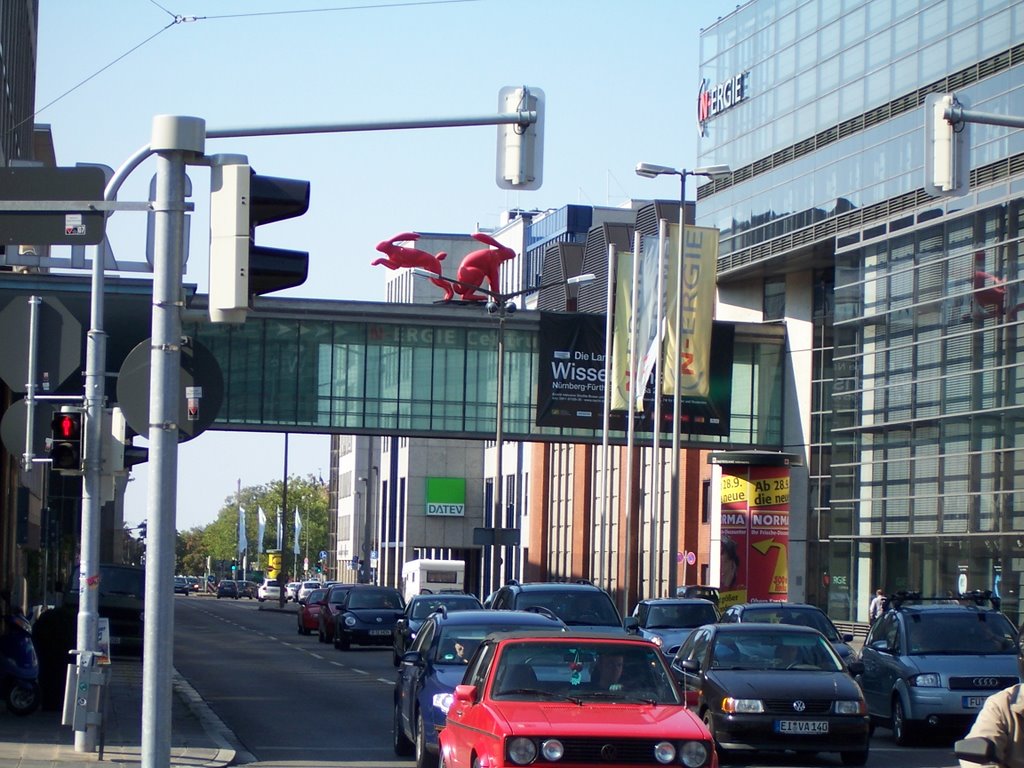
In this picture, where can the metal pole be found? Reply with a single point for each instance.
(604, 546)
(497, 558)
(282, 577)
(30, 385)
(89, 566)
(657, 505)
(173, 138)
(673, 498)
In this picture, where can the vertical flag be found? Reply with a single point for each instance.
(298, 530)
(622, 317)
(262, 528)
(243, 545)
(280, 531)
(700, 256)
(650, 324)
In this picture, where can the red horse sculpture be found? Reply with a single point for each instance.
(400, 256)
(480, 265)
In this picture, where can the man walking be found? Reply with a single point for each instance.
(877, 606)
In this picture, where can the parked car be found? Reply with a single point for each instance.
(791, 613)
(701, 591)
(181, 586)
(329, 611)
(667, 621)
(929, 664)
(367, 616)
(291, 591)
(305, 588)
(436, 662)
(227, 588)
(247, 589)
(269, 590)
(761, 687)
(417, 610)
(538, 699)
(309, 611)
(583, 606)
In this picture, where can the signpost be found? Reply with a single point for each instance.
(51, 206)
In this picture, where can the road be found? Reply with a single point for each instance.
(292, 701)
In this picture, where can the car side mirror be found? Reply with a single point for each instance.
(465, 694)
(848, 637)
(631, 624)
(976, 749)
(855, 668)
(413, 657)
(882, 646)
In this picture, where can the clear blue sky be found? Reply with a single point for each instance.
(620, 81)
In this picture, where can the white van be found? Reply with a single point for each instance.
(421, 577)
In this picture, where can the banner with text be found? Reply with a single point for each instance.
(446, 496)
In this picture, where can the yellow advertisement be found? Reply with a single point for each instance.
(690, 345)
(273, 563)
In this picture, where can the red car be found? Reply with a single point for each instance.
(309, 611)
(329, 610)
(573, 700)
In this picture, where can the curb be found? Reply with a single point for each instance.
(223, 737)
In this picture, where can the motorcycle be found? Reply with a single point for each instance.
(19, 665)
(976, 749)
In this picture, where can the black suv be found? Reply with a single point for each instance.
(581, 605)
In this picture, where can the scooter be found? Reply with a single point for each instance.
(19, 665)
(976, 749)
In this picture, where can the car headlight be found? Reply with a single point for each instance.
(851, 707)
(741, 706)
(664, 752)
(658, 640)
(350, 620)
(521, 751)
(443, 701)
(553, 750)
(926, 680)
(694, 754)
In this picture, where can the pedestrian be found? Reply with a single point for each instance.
(1001, 721)
(877, 606)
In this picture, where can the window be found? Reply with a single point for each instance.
(774, 298)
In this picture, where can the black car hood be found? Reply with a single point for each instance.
(784, 684)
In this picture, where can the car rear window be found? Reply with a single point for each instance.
(956, 633)
(572, 607)
(668, 616)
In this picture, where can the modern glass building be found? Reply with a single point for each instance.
(904, 376)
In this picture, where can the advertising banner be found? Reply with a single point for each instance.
(690, 345)
(571, 379)
(755, 533)
(621, 320)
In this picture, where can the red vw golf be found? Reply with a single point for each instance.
(571, 701)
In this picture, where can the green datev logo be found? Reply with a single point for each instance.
(446, 496)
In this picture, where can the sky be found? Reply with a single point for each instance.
(620, 82)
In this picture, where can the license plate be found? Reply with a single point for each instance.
(974, 702)
(801, 726)
(380, 631)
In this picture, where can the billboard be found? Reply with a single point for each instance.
(446, 497)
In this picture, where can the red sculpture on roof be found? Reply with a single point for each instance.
(399, 256)
(480, 265)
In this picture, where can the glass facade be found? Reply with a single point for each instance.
(914, 371)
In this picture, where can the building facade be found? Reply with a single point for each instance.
(904, 362)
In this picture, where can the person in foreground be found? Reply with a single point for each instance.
(1001, 721)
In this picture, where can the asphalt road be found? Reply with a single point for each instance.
(292, 701)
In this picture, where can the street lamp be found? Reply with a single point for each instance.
(650, 171)
(501, 304)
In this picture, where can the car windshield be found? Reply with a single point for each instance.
(574, 608)
(965, 632)
(374, 598)
(773, 651)
(536, 670)
(682, 615)
(807, 617)
(423, 608)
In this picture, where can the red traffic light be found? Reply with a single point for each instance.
(67, 426)
(66, 441)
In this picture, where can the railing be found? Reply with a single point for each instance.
(859, 629)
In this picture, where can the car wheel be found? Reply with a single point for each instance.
(341, 642)
(902, 730)
(854, 758)
(320, 635)
(403, 747)
(709, 723)
(424, 757)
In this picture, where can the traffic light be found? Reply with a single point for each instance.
(66, 440)
(240, 201)
(521, 146)
(118, 453)
(947, 150)
(142, 529)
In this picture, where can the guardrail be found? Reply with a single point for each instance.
(859, 629)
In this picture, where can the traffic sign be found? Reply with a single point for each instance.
(33, 224)
(323, 554)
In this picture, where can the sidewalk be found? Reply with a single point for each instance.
(198, 737)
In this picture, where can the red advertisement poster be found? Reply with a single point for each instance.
(755, 534)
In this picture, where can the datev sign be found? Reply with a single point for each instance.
(446, 497)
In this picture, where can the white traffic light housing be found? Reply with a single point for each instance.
(521, 145)
(240, 201)
(946, 158)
